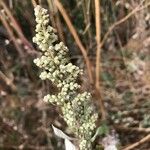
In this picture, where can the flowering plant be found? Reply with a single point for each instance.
(56, 66)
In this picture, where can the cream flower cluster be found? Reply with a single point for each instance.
(76, 107)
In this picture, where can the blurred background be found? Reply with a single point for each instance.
(25, 120)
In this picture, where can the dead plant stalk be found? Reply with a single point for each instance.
(76, 37)
(98, 56)
(55, 19)
(145, 139)
(34, 3)
(10, 33)
(17, 28)
(113, 26)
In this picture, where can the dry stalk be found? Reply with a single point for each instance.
(51, 9)
(112, 27)
(17, 28)
(98, 40)
(34, 3)
(132, 129)
(55, 19)
(87, 15)
(76, 37)
(8, 81)
(143, 140)
(10, 33)
(98, 56)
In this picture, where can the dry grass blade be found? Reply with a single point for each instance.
(17, 27)
(98, 39)
(34, 3)
(87, 16)
(111, 28)
(55, 19)
(145, 139)
(132, 129)
(98, 56)
(8, 81)
(10, 33)
(76, 37)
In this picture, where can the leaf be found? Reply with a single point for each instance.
(60, 133)
(108, 78)
(102, 130)
(69, 145)
(127, 96)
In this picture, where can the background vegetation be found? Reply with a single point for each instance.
(110, 40)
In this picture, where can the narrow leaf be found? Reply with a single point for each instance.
(60, 133)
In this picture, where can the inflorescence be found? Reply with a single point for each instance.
(76, 107)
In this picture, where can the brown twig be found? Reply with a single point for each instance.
(98, 39)
(51, 9)
(112, 27)
(10, 33)
(86, 12)
(132, 146)
(98, 56)
(132, 129)
(76, 37)
(8, 81)
(55, 19)
(16, 26)
(19, 147)
(34, 3)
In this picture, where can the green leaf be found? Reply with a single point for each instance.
(108, 78)
(101, 130)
